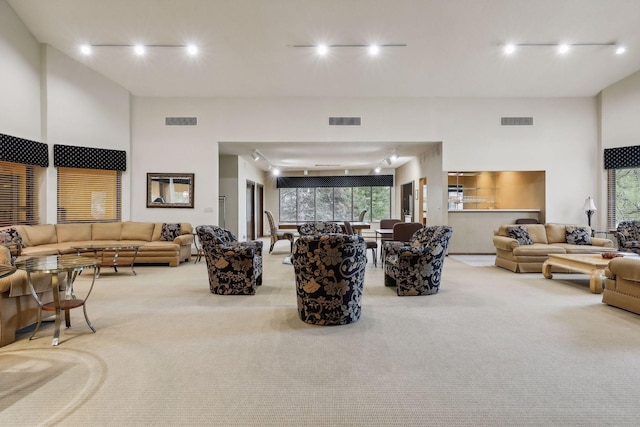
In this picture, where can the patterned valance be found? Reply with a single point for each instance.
(69, 156)
(622, 157)
(18, 150)
(335, 181)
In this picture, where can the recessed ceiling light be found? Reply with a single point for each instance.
(374, 49)
(394, 157)
(378, 169)
(138, 49)
(509, 48)
(322, 49)
(620, 50)
(276, 171)
(192, 49)
(85, 49)
(563, 48)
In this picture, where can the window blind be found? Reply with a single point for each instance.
(89, 195)
(19, 193)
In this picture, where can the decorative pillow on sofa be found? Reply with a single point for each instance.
(170, 232)
(12, 239)
(577, 235)
(521, 234)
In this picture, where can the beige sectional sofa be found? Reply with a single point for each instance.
(19, 309)
(547, 239)
(53, 239)
(623, 284)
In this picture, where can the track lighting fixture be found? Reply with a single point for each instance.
(256, 155)
(139, 49)
(562, 48)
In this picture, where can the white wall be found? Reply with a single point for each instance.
(182, 149)
(247, 171)
(620, 120)
(83, 108)
(229, 189)
(19, 78)
(562, 142)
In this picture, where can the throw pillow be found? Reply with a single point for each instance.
(170, 231)
(521, 234)
(577, 235)
(11, 238)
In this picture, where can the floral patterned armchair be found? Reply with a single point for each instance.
(415, 267)
(329, 272)
(628, 234)
(235, 268)
(319, 227)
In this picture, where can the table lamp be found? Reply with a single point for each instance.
(589, 208)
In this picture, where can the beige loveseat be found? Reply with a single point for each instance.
(18, 308)
(53, 239)
(547, 239)
(622, 288)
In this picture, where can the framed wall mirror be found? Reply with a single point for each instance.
(170, 190)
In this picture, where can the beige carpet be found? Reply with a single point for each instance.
(493, 348)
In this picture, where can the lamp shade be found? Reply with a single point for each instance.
(589, 205)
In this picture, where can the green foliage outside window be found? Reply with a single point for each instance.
(334, 203)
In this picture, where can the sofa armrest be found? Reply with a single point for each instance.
(184, 239)
(505, 243)
(602, 242)
(626, 268)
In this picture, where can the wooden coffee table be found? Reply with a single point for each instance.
(592, 264)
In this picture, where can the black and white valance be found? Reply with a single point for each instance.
(335, 181)
(18, 150)
(69, 156)
(622, 157)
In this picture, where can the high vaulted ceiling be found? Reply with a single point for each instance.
(246, 46)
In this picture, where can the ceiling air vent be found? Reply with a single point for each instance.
(516, 121)
(344, 121)
(181, 121)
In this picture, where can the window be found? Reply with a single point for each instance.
(89, 195)
(623, 198)
(623, 184)
(334, 203)
(19, 193)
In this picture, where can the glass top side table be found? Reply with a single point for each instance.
(71, 265)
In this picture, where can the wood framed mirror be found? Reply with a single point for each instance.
(170, 190)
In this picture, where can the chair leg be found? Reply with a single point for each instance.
(375, 257)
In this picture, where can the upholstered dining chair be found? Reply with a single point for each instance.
(276, 234)
(361, 219)
(371, 244)
(329, 271)
(234, 268)
(319, 227)
(403, 231)
(415, 267)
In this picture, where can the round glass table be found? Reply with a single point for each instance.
(71, 265)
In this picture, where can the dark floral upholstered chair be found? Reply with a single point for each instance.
(415, 268)
(628, 235)
(329, 270)
(235, 268)
(319, 227)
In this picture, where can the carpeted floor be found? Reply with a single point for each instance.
(493, 348)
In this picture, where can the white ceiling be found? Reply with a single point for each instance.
(452, 46)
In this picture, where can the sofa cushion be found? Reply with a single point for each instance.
(556, 233)
(577, 235)
(170, 231)
(537, 232)
(106, 230)
(137, 231)
(520, 233)
(73, 232)
(43, 234)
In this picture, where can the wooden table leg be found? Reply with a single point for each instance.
(546, 269)
(595, 283)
